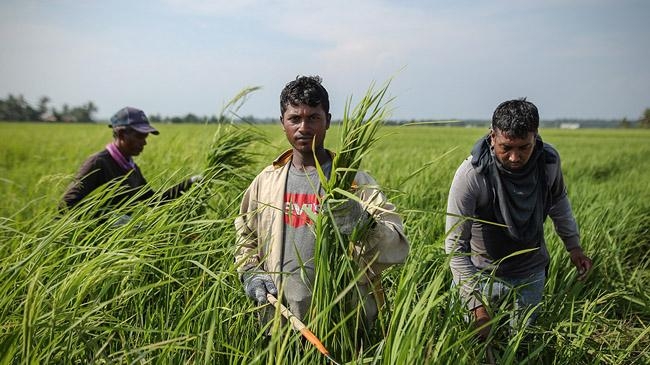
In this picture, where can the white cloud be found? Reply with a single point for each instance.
(451, 59)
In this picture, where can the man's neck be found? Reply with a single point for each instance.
(306, 160)
(121, 148)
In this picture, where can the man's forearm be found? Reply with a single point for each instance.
(565, 223)
(457, 244)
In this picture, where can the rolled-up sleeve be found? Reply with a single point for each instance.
(385, 244)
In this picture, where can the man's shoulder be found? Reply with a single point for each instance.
(551, 155)
(98, 154)
(468, 178)
(269, 172)
(362, 177)
(467, 168)
(97, 158)
(270, 169)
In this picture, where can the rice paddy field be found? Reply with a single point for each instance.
(163, 289)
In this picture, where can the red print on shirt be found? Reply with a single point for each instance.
(295, 206)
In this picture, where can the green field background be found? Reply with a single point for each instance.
(178, 302)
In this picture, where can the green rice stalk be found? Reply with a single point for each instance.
(335, 317)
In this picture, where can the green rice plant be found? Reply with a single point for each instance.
(81, 289)
(73, 289)
(336, 317)
(228, 162)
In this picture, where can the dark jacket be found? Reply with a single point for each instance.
(100, 169)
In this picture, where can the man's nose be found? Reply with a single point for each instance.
(304, 125)
(514, 157)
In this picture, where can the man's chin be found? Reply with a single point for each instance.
(302, 146)
(303, 149)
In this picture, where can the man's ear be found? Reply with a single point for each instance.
(282, 122)
(329, 119)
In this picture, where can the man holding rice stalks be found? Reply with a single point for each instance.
(514, 179)
(276, 230)
(115, 163)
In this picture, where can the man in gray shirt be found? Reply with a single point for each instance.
(514, 179)
(275, 231)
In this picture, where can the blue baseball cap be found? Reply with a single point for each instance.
(133, 118)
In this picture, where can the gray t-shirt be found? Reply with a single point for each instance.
(302, 195)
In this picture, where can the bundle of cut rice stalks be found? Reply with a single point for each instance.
(336, 314)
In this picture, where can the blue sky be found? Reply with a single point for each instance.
(448, 59)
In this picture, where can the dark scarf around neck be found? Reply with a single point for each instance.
(519, 196)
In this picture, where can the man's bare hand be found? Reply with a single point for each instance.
(481, 319)
(581, 262)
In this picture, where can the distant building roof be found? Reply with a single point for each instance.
(569, 125)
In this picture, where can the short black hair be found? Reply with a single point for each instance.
(516, 118)
(306, 90)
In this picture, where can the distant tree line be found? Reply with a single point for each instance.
(644, 122)
(16, 108)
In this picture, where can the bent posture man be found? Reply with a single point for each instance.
(115, 163)
(515, 179)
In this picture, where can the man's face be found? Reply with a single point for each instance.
(131, 142)
(513, 153)
(304, 125)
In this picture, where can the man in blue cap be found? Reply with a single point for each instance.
(115, 163)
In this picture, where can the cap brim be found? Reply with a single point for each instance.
(145, 128)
